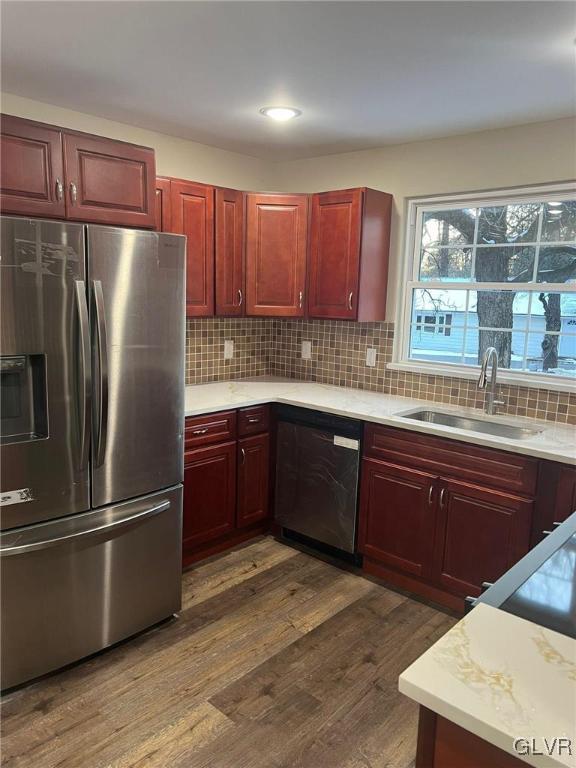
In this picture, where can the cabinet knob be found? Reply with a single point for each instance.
(240, 297)
(73, 192)
(351, 294)
(59, 190)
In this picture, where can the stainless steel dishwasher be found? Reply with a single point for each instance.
(317, 467)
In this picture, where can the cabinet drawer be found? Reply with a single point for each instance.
(253, 420)
(211, 428)
(482, 466)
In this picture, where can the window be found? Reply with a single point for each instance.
(493, 271)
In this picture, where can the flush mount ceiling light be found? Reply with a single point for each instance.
(280, 114)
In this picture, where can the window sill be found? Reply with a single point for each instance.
(534, 381)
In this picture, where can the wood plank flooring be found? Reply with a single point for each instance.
(277, 659)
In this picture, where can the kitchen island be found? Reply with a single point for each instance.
(499, 689)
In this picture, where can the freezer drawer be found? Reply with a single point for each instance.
(79, 584)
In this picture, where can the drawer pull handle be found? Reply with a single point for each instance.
(253, 419)
(240, 297)
(442, 495)
(200, 431)
(350, 299)
(430, 495)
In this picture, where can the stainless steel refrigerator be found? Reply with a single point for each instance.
(92, 334)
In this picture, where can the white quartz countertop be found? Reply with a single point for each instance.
(502, 678)
(556, 442)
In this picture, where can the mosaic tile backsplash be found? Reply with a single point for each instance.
(272, 347)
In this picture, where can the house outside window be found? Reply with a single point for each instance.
(492, 270)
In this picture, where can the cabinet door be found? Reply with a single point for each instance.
(193, 216)
(398, 516)
(209, 493)
(229, 252)
(253, 465)
(109, 182)
(276, 227)
(31, 169)
(163, 218)
(482, 534)
(335, 228)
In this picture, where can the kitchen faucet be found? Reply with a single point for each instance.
(491, 403)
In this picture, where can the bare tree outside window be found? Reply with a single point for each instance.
(506, 274)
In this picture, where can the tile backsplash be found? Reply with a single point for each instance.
(273, 347)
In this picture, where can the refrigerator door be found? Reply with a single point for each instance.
(137, 316)
(74, 586)
(44, 371)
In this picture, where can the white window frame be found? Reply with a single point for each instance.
(409, 277)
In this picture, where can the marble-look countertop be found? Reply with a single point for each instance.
(556, 441)
(502, 678)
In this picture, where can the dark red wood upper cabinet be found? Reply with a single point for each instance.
(276, 231)
(482, 533)
(253, 474)
(163, 218)
(209, 493)
(109, 182)
(193, 215)
(229, 254)
(349, 254)
(31, 169)
(397, 521)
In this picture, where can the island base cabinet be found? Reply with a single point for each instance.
(482, 534)
(397, 516)
(209, 493)
(253, 471)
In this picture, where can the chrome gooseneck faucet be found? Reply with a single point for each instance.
(491, 403)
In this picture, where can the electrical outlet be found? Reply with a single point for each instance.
(228, 349)
(306, 350)
(371, 357)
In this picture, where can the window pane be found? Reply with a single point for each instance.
(500, 265)
(551, 353)
(509, 223)
(557, 264)
(446, 264)
(498, 309)
(450, 227)
(559, 221)
(451, 305)
(443, 345)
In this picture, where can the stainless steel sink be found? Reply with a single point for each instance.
(472, 425)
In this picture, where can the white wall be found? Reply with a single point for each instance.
(523, 155)
(174, 157)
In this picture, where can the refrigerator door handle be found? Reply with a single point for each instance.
(101, 433)
(86, 375)
(116, 524)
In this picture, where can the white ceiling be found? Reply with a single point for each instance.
(364, 74)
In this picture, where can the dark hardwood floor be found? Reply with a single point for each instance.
(277, 659)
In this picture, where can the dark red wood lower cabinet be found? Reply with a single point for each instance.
(482, 534)
(398, 516)
(253, 478)
(209, 493)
